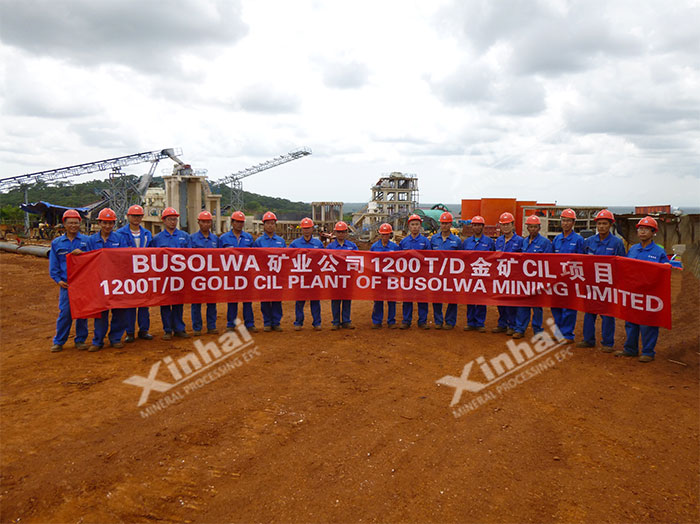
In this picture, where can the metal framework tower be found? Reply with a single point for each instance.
(234, 181)
(122, 192)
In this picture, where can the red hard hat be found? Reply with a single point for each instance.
(506, 218)
(533, 220)
(340, 226)
(568, 213)
(306, 222)
(648, 222)
(604, 213)
(204, 215)
(414, 217)
(446, 217)
(478, 219)
(135, 210)
(107, 215)
(169, 212)
(238, 215)
(385, 228)
(71, 213)
(269, 216)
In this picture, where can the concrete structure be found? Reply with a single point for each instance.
(394, 197)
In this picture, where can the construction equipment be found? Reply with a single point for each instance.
(235, 180)
(122, 192)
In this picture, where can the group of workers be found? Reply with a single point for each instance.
(512, 321)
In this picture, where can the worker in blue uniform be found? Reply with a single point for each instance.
(204, 238)
(136, 236)
(533, 243)
(341, 308)
(508, 242)
(568, 241)
(271, 311)
(602, 243)
(384, 244)
(647, 250)
(476, 314)
(415, 240)
(171, 236)
(238, 238)
(107, 238)
(445, 240)
(307, 241)
(72, 242)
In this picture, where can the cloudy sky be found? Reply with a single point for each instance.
(579, 102)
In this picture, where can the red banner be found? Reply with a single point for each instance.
(121, 278)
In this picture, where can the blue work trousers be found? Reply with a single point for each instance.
(315, 306)
(506, 316)
(271, 313)
(171, 316)
(607, 329)
(476, 315)
(116, 328)
(144, 318)
(338, 307)
(522, 319)
(196, 313)
(565, 319)
(450, 317)
(650, 334)
(232, 313)
(408, 313)
(65, 321)
(378, 313)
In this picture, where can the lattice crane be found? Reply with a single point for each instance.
(235, 180)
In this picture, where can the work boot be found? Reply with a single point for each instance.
(182, 334)
(129, 338)
(318, 328)
(168, 336)
(481, 329)
(518, 334)
(82, 346)
(438, 326)
(298, 328)
(498, 329)
(405, 326)
(621, 353)
(510, 332)
(277, 328)
(145, 335)
(376, 326)
(392, 326)
(469, 328)
(584, 344)
(56, 348)
(118, 344)
(197, 333)
(609, 349)
(424, 326)
(253, 329)
(646, 358)
(267, 328)
(447, 327)
(348, 325)
(335, 327)
(212, 331)
(94, 348)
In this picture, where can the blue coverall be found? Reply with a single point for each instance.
(439, 243)
(171, 316)
(611, 246)
(315, 305)
(564, 318)
(198, 240)
(417, 242)
(271, 311)
(507, 314)
(341, 306)
(144, 317)
(476, 314)
(537, 245)
(117, 328)
(60, 247)
(378, 309)
(650, 334)
(243, 240)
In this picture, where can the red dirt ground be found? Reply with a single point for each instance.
(345, 426)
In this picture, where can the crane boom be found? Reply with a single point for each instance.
(234, 180)
(90, 167)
